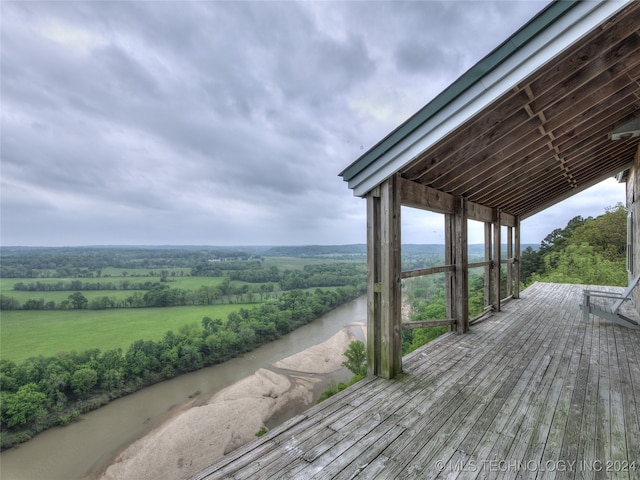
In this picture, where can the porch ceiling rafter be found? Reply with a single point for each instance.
(547, 136)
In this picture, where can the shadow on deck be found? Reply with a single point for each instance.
(530, 392)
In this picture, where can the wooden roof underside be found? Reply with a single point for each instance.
(550, 136)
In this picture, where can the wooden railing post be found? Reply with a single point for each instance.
(450, 259)
(373, 282)
(510, 266)
(384, 301)
(487, 269)
(462, 267)
(496, 262)
(516, 258)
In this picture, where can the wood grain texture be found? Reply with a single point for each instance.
(531, 388)
(549, 136)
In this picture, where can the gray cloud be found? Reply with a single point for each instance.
(216, 122)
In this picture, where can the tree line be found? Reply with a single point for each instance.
(88, 262)
(79, 285)
(42, 392)
(160, 294)
(310, 276)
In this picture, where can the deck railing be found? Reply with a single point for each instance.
(488, 307)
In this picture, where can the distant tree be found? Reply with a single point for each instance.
(557, 239)
(112, 379)
(77, 301)
(356, 358)
(530, 263)
(590, 251)
(83, 380)
(210, 326)
(607, 234)
(8, 303)
(24, 406)
(582, 264)
(356, 362)
(8, 382)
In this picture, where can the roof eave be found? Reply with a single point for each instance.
(551, 31)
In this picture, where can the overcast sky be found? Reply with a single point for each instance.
(225, 123)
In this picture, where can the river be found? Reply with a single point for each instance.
(85, 447)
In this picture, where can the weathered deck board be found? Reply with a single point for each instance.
(525, 394)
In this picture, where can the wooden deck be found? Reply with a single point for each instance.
(532, 392)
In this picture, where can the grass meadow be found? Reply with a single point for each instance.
(293, 263)
(28, 333)
(184, 283)
(32, 333)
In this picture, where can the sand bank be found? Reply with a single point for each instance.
(199, 435)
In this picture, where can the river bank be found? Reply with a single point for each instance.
(85, 447)
(199, 433)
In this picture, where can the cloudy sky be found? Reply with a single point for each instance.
(221, 123)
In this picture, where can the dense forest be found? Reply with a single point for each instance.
(586, 251)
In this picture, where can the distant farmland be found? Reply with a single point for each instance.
(33, 333)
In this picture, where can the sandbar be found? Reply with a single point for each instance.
(199, 434)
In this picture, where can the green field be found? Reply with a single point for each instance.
(22, 296)
(140, 272)
(184, 283)
(27, 333)
(293, 263)
(32, 333)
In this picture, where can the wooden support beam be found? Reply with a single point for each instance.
(384, 332)
(487, 269)
(420, 272)
(416, 195)
(510, 258)
(496, 262)
(462, 267)
(449, 259)
(427, 323)
(516, 258)
(391, 304)
(486, 263)
(478, 212)
(373, 281)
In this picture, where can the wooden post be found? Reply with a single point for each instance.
(450, 259)
(496, 262)
(516, 258)
(384, 280)
(373, 282)
(487, 269)
(391, 269)
(462, 267)
(509, 265)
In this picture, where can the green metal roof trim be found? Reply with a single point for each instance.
(539, 23)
